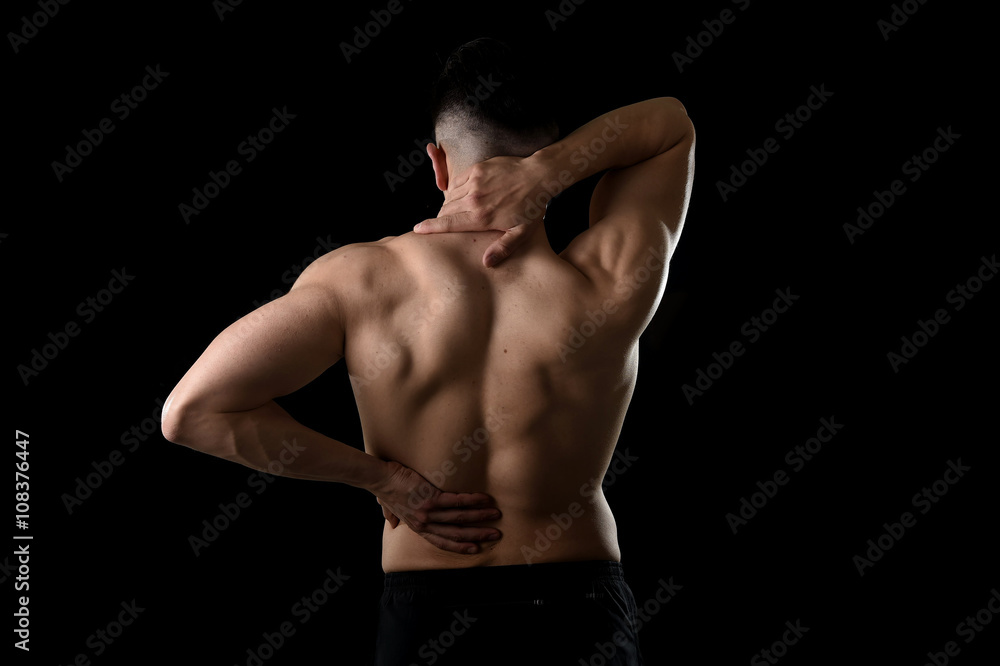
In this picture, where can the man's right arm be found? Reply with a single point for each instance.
(638, 207)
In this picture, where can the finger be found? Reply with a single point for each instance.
(463, 547)
(460, 221)
(389, 515)
(505, 245)
(463, 515)
(457, 534)
(463, 500)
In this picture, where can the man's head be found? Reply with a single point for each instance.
(488, 101)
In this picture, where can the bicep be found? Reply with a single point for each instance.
(635, 212)
(270, 352)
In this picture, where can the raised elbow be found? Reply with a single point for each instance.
(675, 104)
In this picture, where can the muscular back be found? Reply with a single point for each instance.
(512, 381)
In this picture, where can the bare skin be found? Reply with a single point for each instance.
(486, 387)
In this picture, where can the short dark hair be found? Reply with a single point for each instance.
(493, 92)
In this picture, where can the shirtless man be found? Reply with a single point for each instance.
(491, 375)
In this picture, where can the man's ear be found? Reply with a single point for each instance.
(440, 162)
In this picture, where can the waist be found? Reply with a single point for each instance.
(578, 533)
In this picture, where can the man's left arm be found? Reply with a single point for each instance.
(224, 406)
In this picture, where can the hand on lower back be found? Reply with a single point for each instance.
(442, 518)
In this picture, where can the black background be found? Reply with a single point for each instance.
(324, 177)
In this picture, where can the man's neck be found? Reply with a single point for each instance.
(537, 238)
(536, 231)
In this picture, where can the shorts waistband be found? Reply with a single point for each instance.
(515, 580)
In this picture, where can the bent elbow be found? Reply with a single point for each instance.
(174, 421)
(183, 423)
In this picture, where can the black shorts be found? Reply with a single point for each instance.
(553, 614)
